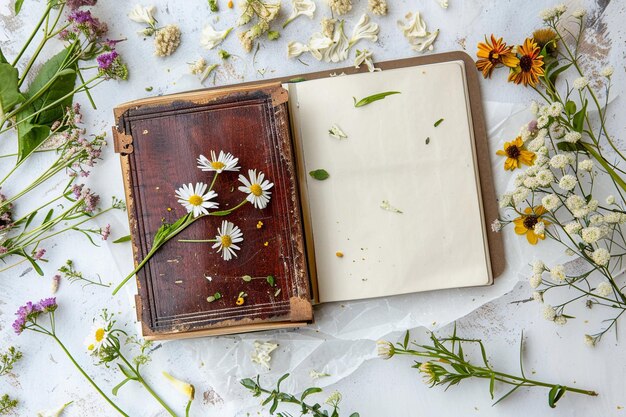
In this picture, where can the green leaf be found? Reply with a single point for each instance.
(249, 383)
(29, 135)
(556, 73)
(492, 383)
(370, 99)
(570, 107)
(3, 60)
(354, 415)
(48, 216)
(122, 239)
(570, 147)
(29, 219)
(438, 122)
(272, 35)
(319, 174)
(405, 344)
(32, 262)
(297, 80)
(18, 6)
(579, 118)
(10, 95)
(128, 373)
(507, 394)
(274, 406)
(270, 280)
(555, 394)
(118, 386)
(281, 379)
(63, 80)
(309, 391)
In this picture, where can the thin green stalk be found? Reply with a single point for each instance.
(32, 35)
(146, 385)
(93, 384)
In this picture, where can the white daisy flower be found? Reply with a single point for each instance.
(196, 199)
(607, 71)
(227, 235)
(257, 188)
(97, 337)
(224, 162)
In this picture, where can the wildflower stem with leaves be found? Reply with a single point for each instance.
(446, 364)
(275, 397)
(30, 316)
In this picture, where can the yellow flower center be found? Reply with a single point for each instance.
(195, 200)
(99, 335)
(226, 241)
(240, 301)
(256, 189)
(218, 164)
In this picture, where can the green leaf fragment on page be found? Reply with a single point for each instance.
(438, 122)
(374, 97)
(319, 174)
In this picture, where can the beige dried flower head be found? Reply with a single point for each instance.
(198, 66)
(328, 27)
(378, 7)
(166, 40)
(340, 7)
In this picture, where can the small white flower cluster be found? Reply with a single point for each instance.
(553, 13)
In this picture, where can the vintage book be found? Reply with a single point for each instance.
(405, 208)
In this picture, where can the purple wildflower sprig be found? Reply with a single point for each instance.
(32, 317)
(86, 40)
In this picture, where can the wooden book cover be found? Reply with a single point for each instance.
(159, 140)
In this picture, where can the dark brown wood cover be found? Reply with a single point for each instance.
(159, 140)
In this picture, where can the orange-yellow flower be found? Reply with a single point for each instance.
(530, 66)
(525, 224)
(494, 54)
(516, 155)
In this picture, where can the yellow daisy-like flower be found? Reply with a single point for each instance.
(516, 154)
(494, 54)
(530, 66)
(525, 224)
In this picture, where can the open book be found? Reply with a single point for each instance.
(404, 208)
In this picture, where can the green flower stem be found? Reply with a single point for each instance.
(91, 381)
(486, 373)
(158, 244)
(37, 239)
(143, 382)
(43, 42)
(13, 265)
(33, 33)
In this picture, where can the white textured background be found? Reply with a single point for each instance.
(342, 340)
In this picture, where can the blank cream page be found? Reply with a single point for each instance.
(393, 153)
